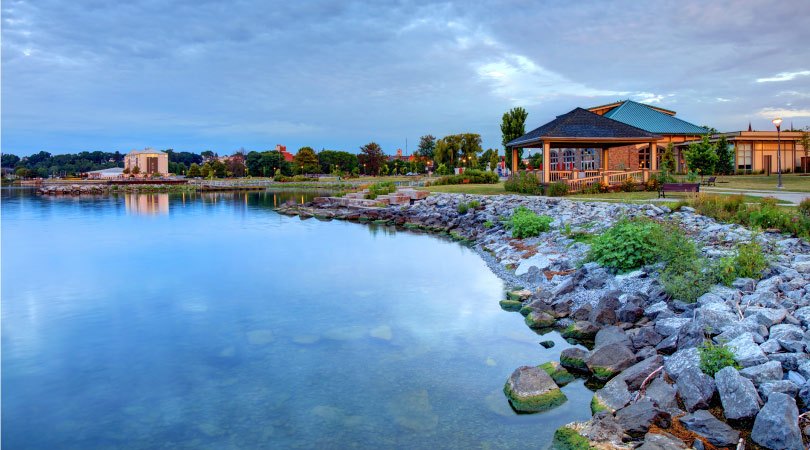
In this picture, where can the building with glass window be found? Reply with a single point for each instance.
(148, 161)
(755, 151)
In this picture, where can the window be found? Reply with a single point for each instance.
(588, 159)
(644, 158)
(555, 159)
(744, 156)
(568, 159)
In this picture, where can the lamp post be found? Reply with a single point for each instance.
(778, 123)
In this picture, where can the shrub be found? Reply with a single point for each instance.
(281, 178)
(525, 223)
(303, 178)
(488, 224)
(686, 285)
(473, 176)
(381, 188)
(558, 189)
(750, 260)
(523, 183)
(724, 271)
(627, 245)
(475, 204)
(714, 357)
(462, 208)
(629, 185)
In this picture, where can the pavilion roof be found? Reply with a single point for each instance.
(648, 118)
(583, 125)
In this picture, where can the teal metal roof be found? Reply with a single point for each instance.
(642, 116)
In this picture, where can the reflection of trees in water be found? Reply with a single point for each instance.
(255, 199)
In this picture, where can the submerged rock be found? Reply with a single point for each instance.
(581, 330)
(413, 411)
(557, 373)
(531, 389)
(574, 359)
(510, 305)
(539, 319)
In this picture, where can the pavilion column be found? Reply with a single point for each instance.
(514, 161)
(653, 156)
(546, 162)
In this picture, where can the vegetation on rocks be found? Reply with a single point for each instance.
(765, 215)
(714, 357)
(525, 223)
(381, 188)
(627, 245)
(566, 438)
(473, 176)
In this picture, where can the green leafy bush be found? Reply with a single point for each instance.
(714, 357)
(282, 179)
(524, 223)
(627, 245)
(381, 188)
(472, 176)
(629, 184)
(804, 207)
(488, 224)
(523, 183)
(558, 188)
(462, 208)
(750, 260)
(475, 204)
(765, 215)
(303, 178)
(686, 285)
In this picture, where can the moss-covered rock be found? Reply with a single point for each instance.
(569, 439)
(597, 405)
(539, 319)
(511, 305)
(574, 359)
(547, 344)
(525, 310)
(581, 330)
(518, 294)
(531, 389)
(557, 373)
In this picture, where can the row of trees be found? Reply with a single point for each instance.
(704, 157)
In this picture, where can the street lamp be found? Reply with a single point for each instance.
(778, 123)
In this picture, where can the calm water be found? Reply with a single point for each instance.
(209, 321)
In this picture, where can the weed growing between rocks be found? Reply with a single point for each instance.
(462, 208)
(714, 357)
(525, 223)
(627, 245)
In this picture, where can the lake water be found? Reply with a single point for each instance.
(210, 321)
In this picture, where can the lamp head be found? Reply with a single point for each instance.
(777, 122)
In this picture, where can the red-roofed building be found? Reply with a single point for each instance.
(289, 157)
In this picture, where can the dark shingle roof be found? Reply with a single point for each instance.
(582, 124)
(645, 117)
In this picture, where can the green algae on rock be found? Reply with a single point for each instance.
(597, 405)
(557, 373)
(581, 330)
(574, 359)
(566, 438)
(539, 319)
(511, 305)
(518, 294)
(531, 389)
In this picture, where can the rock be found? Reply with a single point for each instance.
(784, 386)
(668, 345)
(695, 389)
(662, 394)
(670, 326)
(777, 424)
(770, 371)
(637, 418)
(646, 352)
(574, 359)
(796, 378)
(766, 316)
(746, 351)
(563, 288)
(582, 330)
(583, 312)
(519, 295)
(681, 361)
(706, 425)
(557, 373)
(655, 309)
(714, 319)
(602, 431)
(510, 305)
(413, 411)
(605, 311)
(804, 369)
(644, 337)
(636, 374)
(790, 361)
(539, 319)
(611, 335)
(531, 389)
(609, 360)
(804, 394)
(661, 441)
(737, 393)
(744, 284)
(786, 332)
(630, 313)
(691, 335)
(547, 344)
(612, 397)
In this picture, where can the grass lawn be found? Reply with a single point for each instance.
(761, 182)
(646, 196)
(478, 189)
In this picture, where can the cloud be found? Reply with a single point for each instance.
(771, 113)
(784, 76)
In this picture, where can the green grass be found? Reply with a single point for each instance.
(476, 189)
(791, 182)
(644, 195)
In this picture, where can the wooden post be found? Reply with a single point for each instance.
(514, 162)
(653, 156)
(546, 162)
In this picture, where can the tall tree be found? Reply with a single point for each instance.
(306, 160)
(494, 159)
(427, 144)
(725, 157)
(701, 157)
(470, 148)
(9, 160)
(373, 158)
(804, 140)
(330, 159)
(668, 160)
(194, 170)
(513, 126)
(207, 154)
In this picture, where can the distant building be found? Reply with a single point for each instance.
(755, 151)
(399, 156)
(114, 172)
(148, 161)
(289, 157)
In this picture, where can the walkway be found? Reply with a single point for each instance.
(789, 196)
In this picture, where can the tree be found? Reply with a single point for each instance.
(235, 166)
(536, 160)
(470, 148)
(22, 172)
(668, 160)
(307, 160)
(513, 126)
(804, 140)
(208, 154)
(194, 170)
(494, 159)
(442, 170)
(9, 160)
(373, 158)
(136, 170)
(126, 171)
(725, 157)
(206, 171)
(427, 144)
(219, 169)
(330, 160)
(701, 157)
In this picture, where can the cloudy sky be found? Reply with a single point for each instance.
(220, 75)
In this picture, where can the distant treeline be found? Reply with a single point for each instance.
(43, 164)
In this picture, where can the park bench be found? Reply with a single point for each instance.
(710, 182)
(677, 187)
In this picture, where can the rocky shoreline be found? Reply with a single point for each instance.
(644, 344)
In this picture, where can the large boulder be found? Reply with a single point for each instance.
(611, 335)
(661, 441)
(573, 358)
(644, 337)
(766, 316)
(670, 326)
(539, 319)
(662, 394)
(681, 361)
(789, 361)
(770, 371)
(784, 386)
(777, 424)
(605, 311)
(531, 389)
(706, 425)
(737, 393)
(612, 397)
(637, 417)
(581, 330)
(695, 389)
(637, 373)
(607, 361)
(746, 351)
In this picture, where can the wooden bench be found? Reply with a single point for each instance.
(710, 182)
(677, 187)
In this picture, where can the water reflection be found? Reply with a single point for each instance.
(146, 204)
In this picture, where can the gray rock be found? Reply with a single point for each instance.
(769, 285)
(583, 312)
(637, 373)
(804, 394)
(609, 360)
(563, 288)
(646, 352)
(603, 430)
(663, 394)
(796, 377)
(644, 337)
(637, 418)
(613, 396)
(655, 309)
(695, 389)
(790, 361)
(777, 424)
(738, 394)
(691, 335)
(746, 351)
(611, 335)
(573, 358)
(769, 371)
(661, 441)
(803, 315)
(767, 299)
(766, 316)
(804, 369)
(670, 326)
(770, 346)
(784, 386)
(744, 284)
(706, 425)
(681, 361)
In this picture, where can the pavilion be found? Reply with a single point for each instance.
(583, 129)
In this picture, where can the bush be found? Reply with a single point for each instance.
(303, 178)
(750, 260)
(558, 188)
(523, 183)
(473, 176)
(686, 285)
(462, 208)
(381, 188)
(629, 184)
(765, 215)
(627, 245)
(475, 204)
(524, 223)
(804, 207)
(282, 179)
(713, 357)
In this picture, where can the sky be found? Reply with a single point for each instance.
(223, 75)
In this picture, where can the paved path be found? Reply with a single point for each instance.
(789, 196)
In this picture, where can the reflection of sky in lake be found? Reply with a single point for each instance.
(221, 324)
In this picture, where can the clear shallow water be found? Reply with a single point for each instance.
(209, 321)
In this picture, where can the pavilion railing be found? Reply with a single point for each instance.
(580, 184)
(621, 177)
